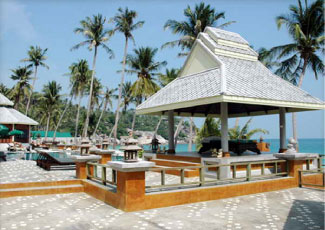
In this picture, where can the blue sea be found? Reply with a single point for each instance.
(316, 145)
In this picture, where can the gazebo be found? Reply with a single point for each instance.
(222, 77)
(14, 119)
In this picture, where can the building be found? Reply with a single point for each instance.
(14, 119)
(222, 77)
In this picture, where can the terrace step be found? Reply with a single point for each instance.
(173, 163)
(40, 188)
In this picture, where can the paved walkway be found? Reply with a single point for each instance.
(27, 171)
(292, 209)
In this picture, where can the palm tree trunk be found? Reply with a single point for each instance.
(77, 118)
(294, 115)
(157, 127)
(189, 147)
(133, 120)
(17, 100)
(62, 115)
(178, 130)
(120, 94)
(90, 94)
(237, 122)
(100, 117)
(47, 125)
(30, 95)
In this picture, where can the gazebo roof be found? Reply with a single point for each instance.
(4, 101)
(10, 115)
(223, 68)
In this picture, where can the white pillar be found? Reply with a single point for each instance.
(282, 119)
(13, 136)
(171, 143)
(224, 126)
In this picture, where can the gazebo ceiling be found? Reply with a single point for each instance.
(221, 67)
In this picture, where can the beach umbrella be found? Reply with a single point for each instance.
(3, 130)
(15, 132)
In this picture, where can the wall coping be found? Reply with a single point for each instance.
(102, 151)
(296, 156)
(131, 167)
(86, 158)
(233, 159)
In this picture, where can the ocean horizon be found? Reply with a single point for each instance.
(306, 145)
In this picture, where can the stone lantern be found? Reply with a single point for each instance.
(105, 144)
(84, 146)
(154, 144)
(131, 150)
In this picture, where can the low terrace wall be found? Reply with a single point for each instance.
(129, 191)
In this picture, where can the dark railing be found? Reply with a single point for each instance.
(248, 176)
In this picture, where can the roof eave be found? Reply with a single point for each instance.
(292, 106)
(19, 123)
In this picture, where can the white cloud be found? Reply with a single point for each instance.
(14, 19)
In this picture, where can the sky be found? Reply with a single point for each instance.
(50, 24)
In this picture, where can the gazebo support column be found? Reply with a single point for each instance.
(171, 143)
(224, 128)
(282, 119)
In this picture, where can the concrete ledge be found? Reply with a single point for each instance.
(131, 167)
(85, 158)
(107, 151)
(295, 156)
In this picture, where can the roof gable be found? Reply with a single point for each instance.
(221, 67)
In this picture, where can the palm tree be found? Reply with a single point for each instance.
(96, 36)
(127, 95)
(68, 104)
(196, 20)
(165, 79)
(306, 28)
(50, 100)
(211, 127)
(137, 101)
(22, 87)
(4, 90)
(124, 23)
(143, 64)
(244, 133)
(169, 76)
(36, 58)
(107, 100)
(80, 75)
(265, 57)
(96, 94)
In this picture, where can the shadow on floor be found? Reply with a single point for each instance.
(305, 214)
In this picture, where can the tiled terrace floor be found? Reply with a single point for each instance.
(292, 209)
(27, 171)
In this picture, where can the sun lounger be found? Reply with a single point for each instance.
(236, 146)
(3, 156)
(54, 160)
